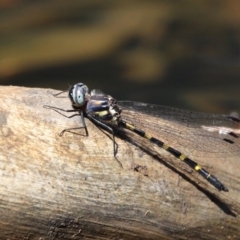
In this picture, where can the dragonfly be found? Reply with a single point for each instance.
(180, 132)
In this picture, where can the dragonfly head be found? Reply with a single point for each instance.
(78, 94)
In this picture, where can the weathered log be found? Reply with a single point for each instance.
(72, 187)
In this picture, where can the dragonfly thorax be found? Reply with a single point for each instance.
(104, 108)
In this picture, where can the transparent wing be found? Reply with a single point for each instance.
(192, 133)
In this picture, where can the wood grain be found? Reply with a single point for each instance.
(71, 187)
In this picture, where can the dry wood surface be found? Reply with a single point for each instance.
(72, 187)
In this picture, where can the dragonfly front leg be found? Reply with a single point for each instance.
(58, 110)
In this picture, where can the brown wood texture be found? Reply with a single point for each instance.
(71, 187)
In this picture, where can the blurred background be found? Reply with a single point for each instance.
(182, 53)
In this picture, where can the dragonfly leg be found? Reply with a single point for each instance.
(58, 110)
(103, 125)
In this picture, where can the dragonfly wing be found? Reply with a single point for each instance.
(195, 134)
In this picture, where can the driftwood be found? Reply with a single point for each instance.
(72, 187)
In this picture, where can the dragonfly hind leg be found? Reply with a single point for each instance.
(103, 125)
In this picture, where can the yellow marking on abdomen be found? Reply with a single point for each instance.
(197, 168)
(182, 157)
(129, 126)
(165, 146)
(147, 136)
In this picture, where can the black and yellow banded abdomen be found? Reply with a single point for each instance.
(192, 164)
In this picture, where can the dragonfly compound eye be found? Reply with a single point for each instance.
(77, 94)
